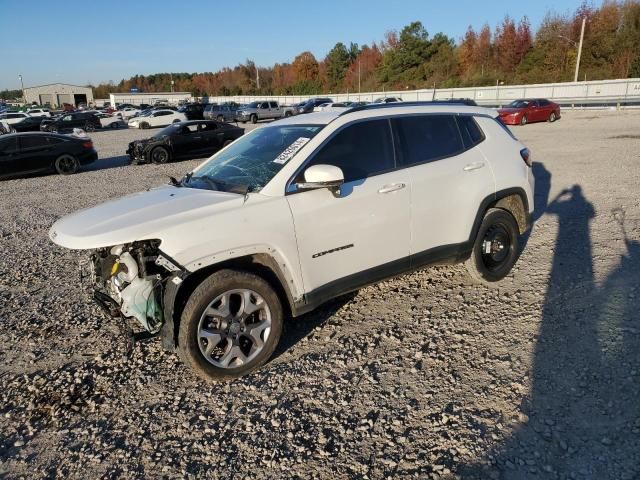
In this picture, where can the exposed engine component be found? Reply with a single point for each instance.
(130, 276)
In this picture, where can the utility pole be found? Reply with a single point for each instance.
(584, 20)
(171, 77)
(257, 77)
(24, 99)
(358, 78)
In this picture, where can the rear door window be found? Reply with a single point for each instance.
(427, 138)
(8, 145)
(273, 104)
(361, 150)
(32, 141)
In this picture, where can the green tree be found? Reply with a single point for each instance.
(337, 64)
(401, 64)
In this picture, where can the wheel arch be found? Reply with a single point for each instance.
(177, 293)
(514, 200)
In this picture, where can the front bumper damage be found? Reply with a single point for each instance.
(139, 150)
(129, 282)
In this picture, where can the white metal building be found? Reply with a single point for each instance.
(55, 94)
(137, 98)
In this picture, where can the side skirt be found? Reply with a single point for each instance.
(439, 255)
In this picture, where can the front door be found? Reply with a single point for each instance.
(362, 234)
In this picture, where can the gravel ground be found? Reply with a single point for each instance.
(426, 375)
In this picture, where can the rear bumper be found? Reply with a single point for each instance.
(88, 158)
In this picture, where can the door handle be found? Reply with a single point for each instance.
(473, 166)
(392, 188)
(197, 138)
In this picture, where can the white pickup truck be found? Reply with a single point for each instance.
(264, 110)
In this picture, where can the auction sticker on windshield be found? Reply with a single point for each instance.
(291, 150)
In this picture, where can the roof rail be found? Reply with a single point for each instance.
(375, 106)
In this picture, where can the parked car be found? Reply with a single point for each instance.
(29, 124)
(6, 128)
(387, 100)
(66, 122)
(127, 112)
(223, 113)
(265, 110)
(67, 107)
(298, 212)
(322, 106)
(309, 105)
(193, 111)
(157, 118)
(39, 112)
(110, 121)
(35, 152)
(13, 117)
(189, 139)
(521, 112)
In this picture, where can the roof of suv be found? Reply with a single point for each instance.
(381, 110)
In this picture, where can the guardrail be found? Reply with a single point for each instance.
(620, 92)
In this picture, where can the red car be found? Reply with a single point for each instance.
(521, 112)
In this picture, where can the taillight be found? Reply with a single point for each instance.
(526, 156)
(87, 144)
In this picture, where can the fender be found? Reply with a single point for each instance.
(267, 259)
(493, 198)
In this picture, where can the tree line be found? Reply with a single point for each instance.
(412, 58)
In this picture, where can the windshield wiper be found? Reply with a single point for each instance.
(174, 182)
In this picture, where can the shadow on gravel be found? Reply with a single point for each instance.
(298, 328)
(582, 418)
(540, 197)
(105, 163)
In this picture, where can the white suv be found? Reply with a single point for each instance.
(298, 212)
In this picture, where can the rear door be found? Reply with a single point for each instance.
(213, 137)
(449, 180)
(35, 152)
(275, 111)
(362, 234)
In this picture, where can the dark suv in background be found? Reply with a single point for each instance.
(312, 103)
(193, 111)
(66, 122)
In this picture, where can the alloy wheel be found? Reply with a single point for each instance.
(233, 328)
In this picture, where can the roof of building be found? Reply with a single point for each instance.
(57, 83)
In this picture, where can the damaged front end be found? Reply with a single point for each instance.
(128, 281)
(139, 150)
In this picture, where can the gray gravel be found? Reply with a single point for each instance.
(423, 376)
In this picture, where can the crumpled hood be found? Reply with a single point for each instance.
(141, 216)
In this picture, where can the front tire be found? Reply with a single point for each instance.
(66, 164)
(523, 120)
(254, 118)
(143, 125)
(160, 155)
(552, 117)
(495, 249)
(230, 325)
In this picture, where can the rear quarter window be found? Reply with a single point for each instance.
(471, 133)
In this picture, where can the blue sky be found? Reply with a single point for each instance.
(74, 41)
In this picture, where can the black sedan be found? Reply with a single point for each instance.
(29, 124)
(36, 152)
(190, 139)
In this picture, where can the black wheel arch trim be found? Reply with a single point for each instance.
(175, 296)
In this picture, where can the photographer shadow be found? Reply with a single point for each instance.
(582, 417)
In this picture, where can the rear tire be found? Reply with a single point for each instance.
(88, 127)
(220, 118)
(160, 155)
(230, 325)
(495, 249)
(227, 142)
(115, 125)
(143, 125)
(66, 164)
